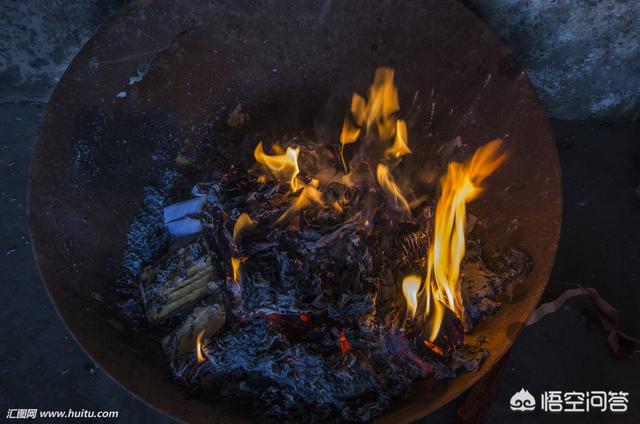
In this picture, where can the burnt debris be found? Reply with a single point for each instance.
(303, 317)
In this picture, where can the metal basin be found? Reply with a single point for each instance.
(162, 77)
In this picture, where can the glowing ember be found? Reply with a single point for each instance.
(283, 166)
(435, 348)
(199, 347)
(345, 346)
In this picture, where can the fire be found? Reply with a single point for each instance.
(283, 166)
(345, 346)
(309, 196)
(200, 353)
(379, 111)
(434, 347)
(377, 118)
(235, 266)
(461, 184)
(399, 147)
(410, 287)
(387, 183)
(434, 311)
(243, 223)
(381, 106)
(349, 135)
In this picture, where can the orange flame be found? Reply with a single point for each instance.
(379, 111)
(460, 185)
(399, 147)
(282, 166)
(435, 348)
(381, 105)
(200, 354)
(345, 346)
(309, 196)
(235, 266)
(243, 223)
(387, 183)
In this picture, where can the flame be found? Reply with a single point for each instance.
(200, 353)
(379, 111)
(309, 196)
(434, 347)
(243, 223)
(350, 134)
(410, 287)
(387, 183)
(460, 185)
(382, 103)
(399, 147)
(235, 266)
(345, 346)
(283, 166)
(436, 314)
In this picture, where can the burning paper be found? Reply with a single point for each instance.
(304, 273)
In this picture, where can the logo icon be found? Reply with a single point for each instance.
(522, 401)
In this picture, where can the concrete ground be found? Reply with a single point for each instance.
(41, 366)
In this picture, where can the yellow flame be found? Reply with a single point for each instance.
(235, 266)
(385, 179)
(399, 147)
(410, 287)
(382, 103)
(243, 223)
(460, 185)
(379, 111)
(199, 347)
(308, 197)
(283, 166)
(436, 317)
(350, 132)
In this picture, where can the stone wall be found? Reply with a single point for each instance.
(583, 56)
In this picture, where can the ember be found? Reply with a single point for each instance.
(345, 346)
(316, 244)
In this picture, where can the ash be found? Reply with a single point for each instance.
(315, 327)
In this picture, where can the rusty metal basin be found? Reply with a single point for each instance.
(161, 78)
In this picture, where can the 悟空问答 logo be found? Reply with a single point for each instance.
(522, 401)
